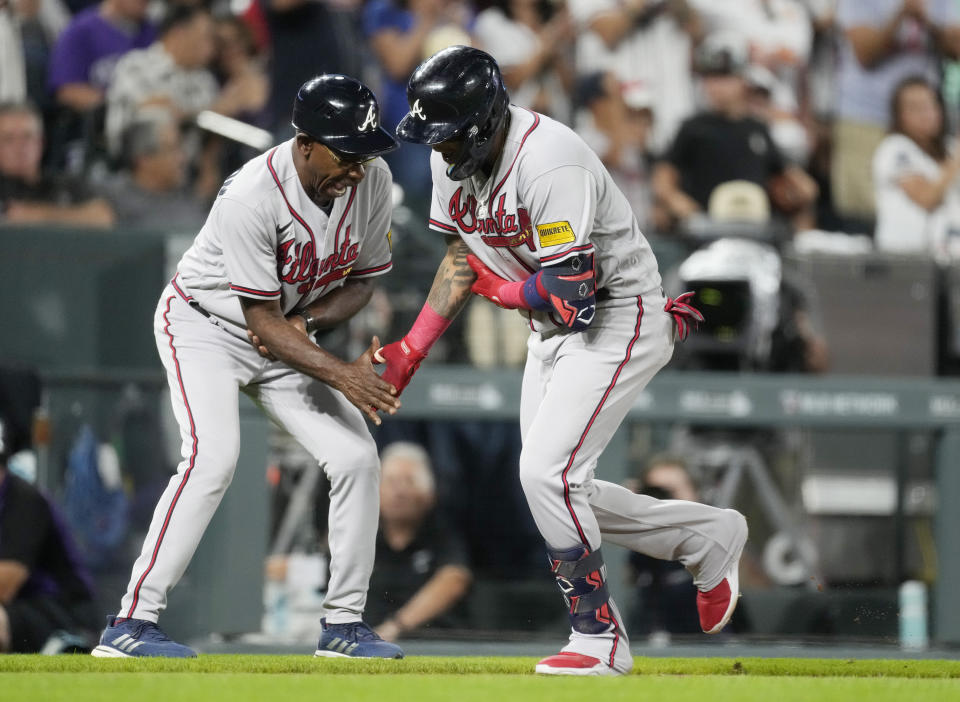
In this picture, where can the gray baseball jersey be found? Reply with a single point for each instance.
(550, 198)
(264, 239)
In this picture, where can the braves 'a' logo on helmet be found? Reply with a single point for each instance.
(371, 119)
(417, 110)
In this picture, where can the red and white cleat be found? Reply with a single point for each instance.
(569, 663)
(716, 606)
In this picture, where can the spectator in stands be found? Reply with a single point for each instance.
(648, 42)
(531, 41)
(915, 177)
(820, 104)
(779, 34)
(245, 85)
(615, 122)
(13, 74)
(46, 597)
(885, 41)
(245, 89)
(85, 54)
(725, 143)
(402, 33)
(306, 37)
(29, 196)
(28, 30)
(786, 129)
(421, 567)
(151, 192)
(173, 73)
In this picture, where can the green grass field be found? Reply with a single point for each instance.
(296, 678)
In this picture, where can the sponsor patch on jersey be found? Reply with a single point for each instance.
(555, 233)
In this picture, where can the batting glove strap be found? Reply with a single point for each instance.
(684, 314)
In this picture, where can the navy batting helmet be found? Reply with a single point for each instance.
(342, 113)
(456, 93)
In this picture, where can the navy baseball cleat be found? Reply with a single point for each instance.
(353, 640)
(134, 638)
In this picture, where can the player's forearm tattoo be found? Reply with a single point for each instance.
(451, 286)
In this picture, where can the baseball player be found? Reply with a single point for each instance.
(289, 247)
(535, 223)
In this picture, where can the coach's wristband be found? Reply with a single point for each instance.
(309, 322)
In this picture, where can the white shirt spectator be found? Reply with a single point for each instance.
(150, 75)
(51, 16)
(656, 56)
(768, 25)
(13, 77)
(513, 43)
(903, 226)
(779, 34)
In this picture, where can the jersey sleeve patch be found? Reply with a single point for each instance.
(555, 234)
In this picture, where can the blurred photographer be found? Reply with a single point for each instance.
(666, 598)
(46, 597)
(421, 569)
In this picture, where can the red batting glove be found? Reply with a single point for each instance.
(489, 284)
(402, 361)
(684, 314)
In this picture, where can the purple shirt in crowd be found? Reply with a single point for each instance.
(90, 46)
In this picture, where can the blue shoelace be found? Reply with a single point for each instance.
(148, 631)
(357, 631)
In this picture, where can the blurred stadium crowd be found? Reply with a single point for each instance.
(663, 90)
(785, 119)
(747, 134)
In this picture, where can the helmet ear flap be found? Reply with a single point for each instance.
(495, 119)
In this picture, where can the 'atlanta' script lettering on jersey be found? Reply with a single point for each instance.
(302, 266)
(501, 229)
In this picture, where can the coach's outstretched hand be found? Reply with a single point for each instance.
(402, 360)
(367, 390)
